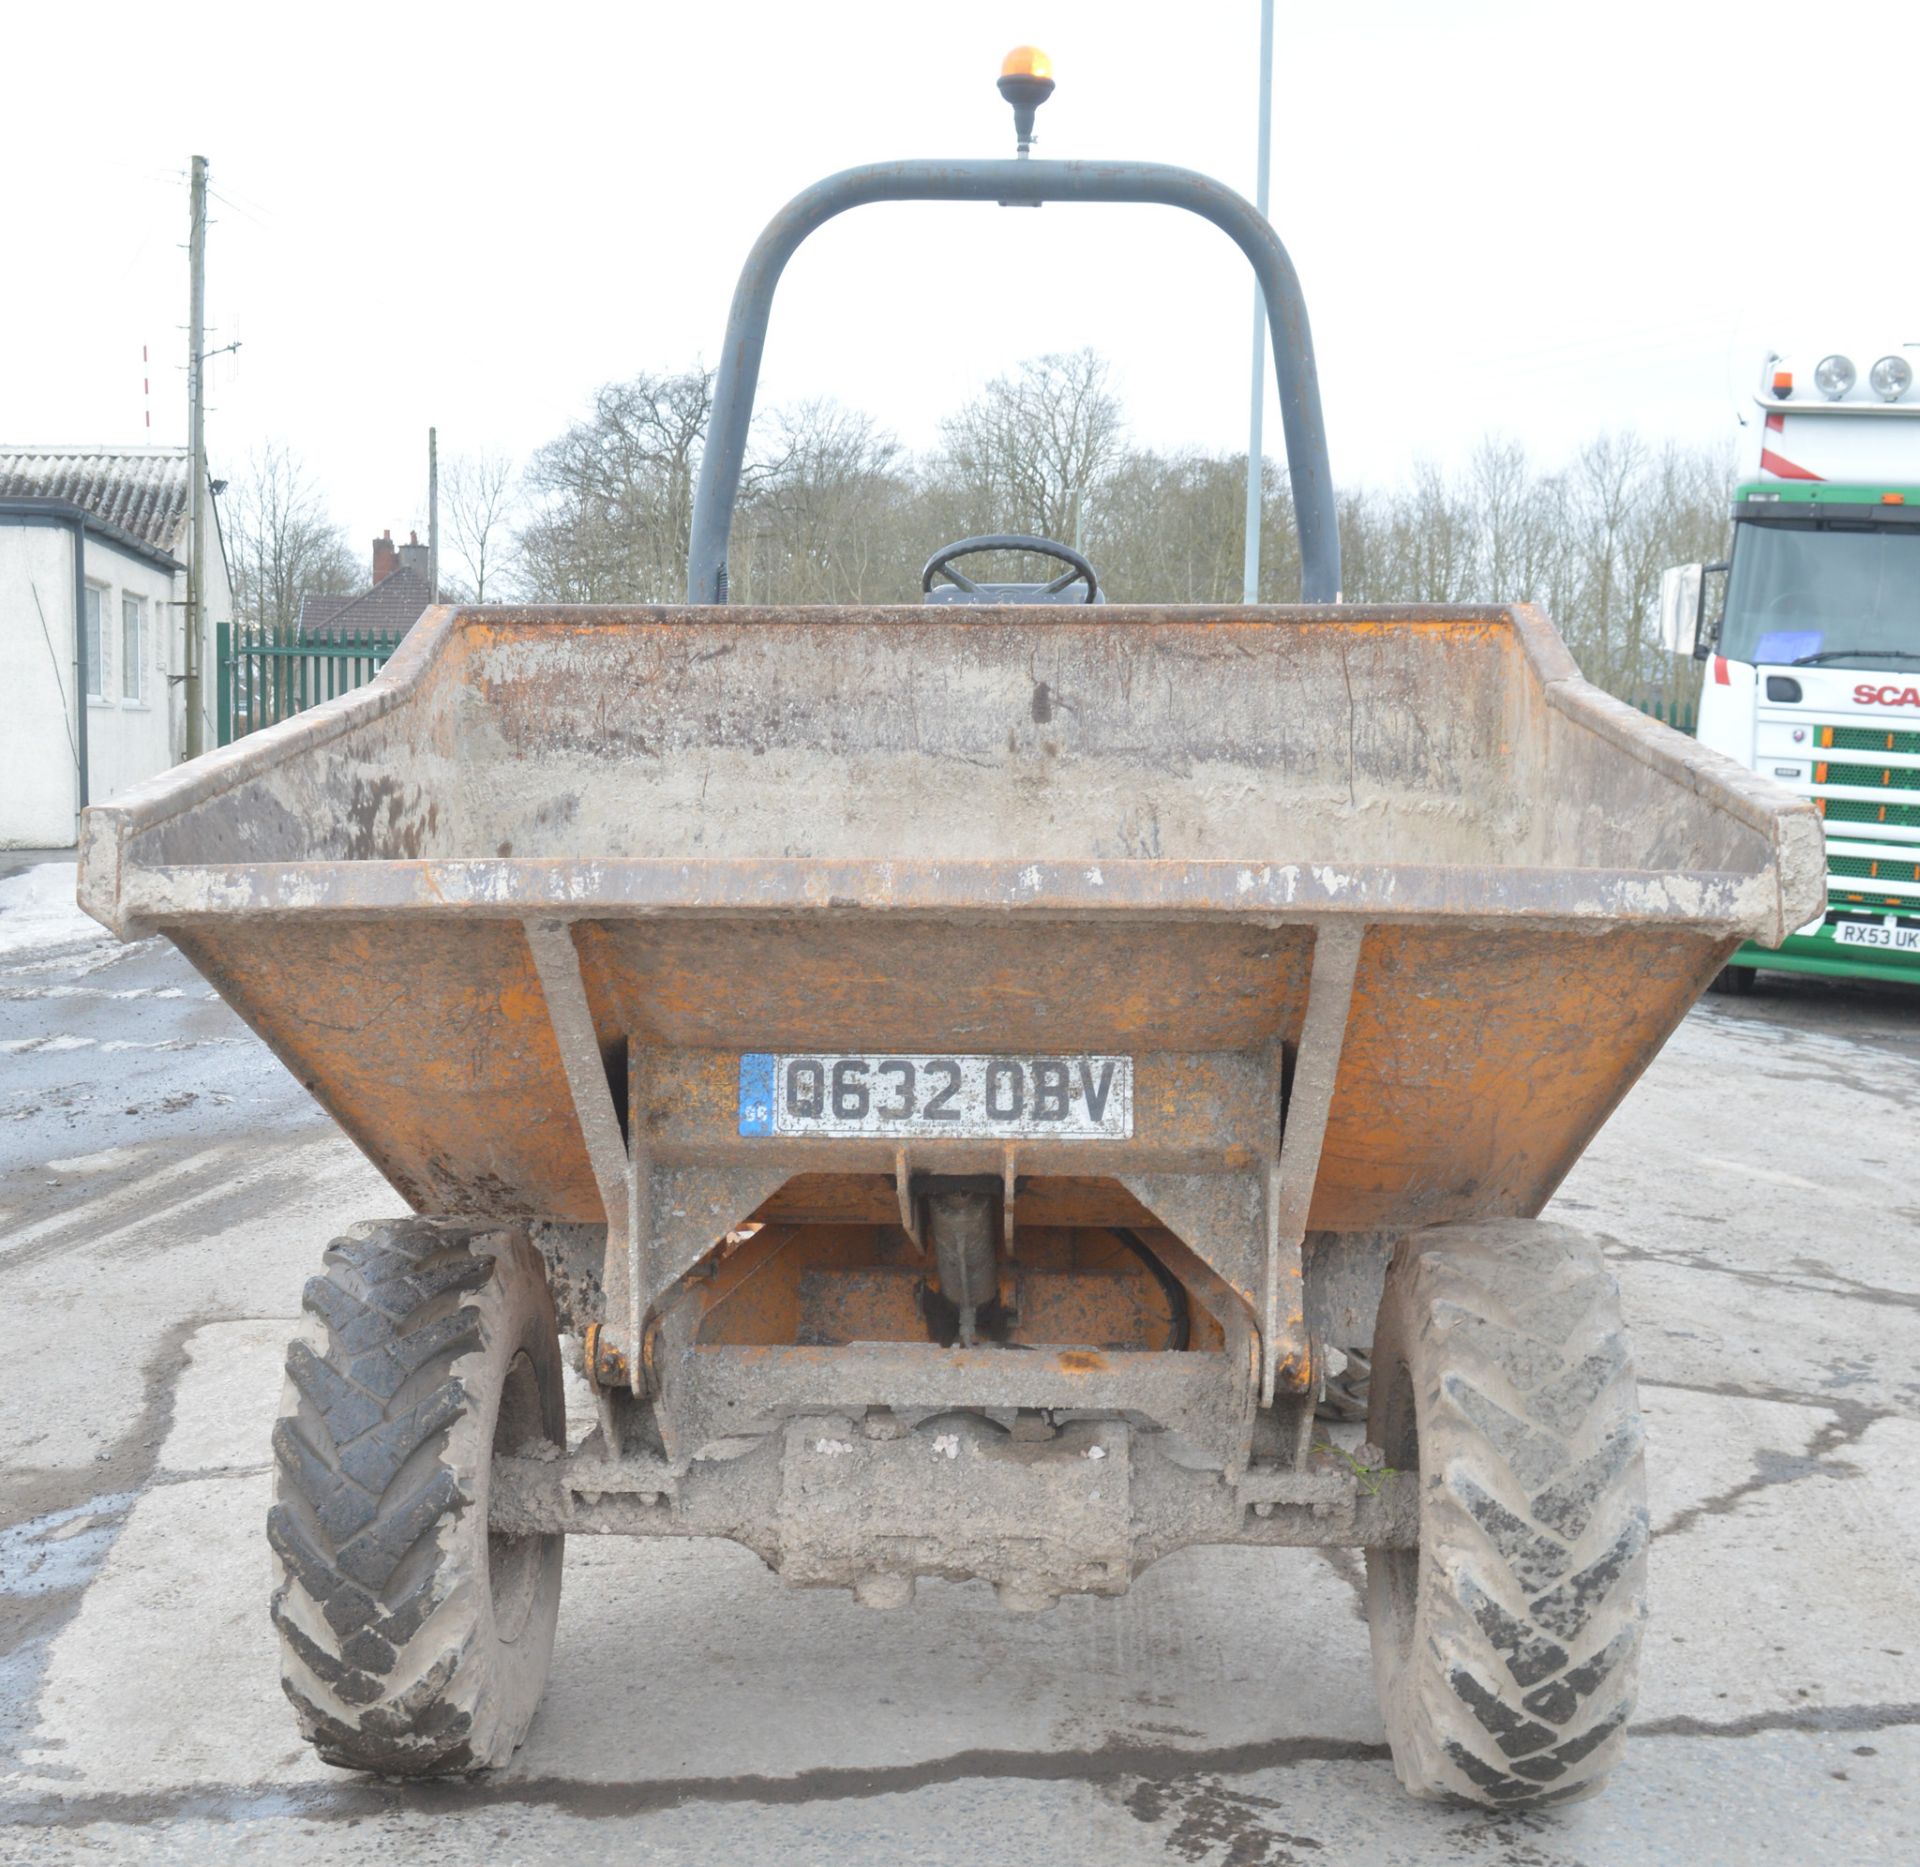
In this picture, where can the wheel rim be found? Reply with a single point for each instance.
(1401, 1452)
(513, 1562)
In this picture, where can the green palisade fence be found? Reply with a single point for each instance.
(263, 681)
(1681, 715)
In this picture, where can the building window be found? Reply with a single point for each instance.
(93, 642)
(133, 641)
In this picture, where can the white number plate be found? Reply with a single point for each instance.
(1066, 1098)
(1877, 933)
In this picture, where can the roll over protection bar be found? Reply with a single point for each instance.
(1016, 183)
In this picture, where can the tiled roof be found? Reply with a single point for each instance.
(142, 490)
(314, 610)
(389, 609)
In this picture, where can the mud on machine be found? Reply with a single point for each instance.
(957, 1076)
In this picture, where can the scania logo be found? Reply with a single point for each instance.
(1868, 696)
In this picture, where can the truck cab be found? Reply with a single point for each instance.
(1809, 640)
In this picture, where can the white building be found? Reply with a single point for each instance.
(93, 601)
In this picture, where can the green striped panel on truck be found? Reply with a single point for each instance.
(1875, 868)
(1858, 810)
(1855, 819)
(1869, 777)
(1868, 739)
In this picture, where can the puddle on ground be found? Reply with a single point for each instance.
(63, 1549)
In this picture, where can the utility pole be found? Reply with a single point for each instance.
(196, 452)
(433, 515)
(1250, 584)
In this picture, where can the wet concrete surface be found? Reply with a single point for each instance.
(165, 1188)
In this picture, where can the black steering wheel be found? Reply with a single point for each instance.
(941, 565)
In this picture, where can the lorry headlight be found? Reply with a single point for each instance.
(1891, 378)
(1834, 377)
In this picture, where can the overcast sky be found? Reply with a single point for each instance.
(1537, 220)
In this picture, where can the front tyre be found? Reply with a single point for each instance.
(1506, 1647)
(414, 1641)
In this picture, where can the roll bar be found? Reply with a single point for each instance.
(1016, 183)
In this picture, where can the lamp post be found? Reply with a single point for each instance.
(1250, 583)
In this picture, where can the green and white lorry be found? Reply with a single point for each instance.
(1811, 647)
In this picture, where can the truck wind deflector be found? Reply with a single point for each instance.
(1016, 183)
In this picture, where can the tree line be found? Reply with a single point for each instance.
(833, 509)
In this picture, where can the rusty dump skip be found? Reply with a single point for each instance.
(1389, 906)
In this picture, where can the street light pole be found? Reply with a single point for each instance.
(1250, 586)
(196, 452)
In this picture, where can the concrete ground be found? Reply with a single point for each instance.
(165, 1188)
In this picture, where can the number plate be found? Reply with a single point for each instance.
(1877, 933)
(1069, 1098)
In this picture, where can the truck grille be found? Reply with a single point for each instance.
(1872, 868)
(1872, 810)
(1857, 810)
(1868, 777)
(1868, 739)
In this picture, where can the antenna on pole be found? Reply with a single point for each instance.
(1256, 463)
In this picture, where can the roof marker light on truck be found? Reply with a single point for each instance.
(1891, 378)
(1783, 383)
(1834, 376)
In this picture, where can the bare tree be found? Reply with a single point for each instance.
(477, 494)
(281, 545)
(1587, 543)
(614, 495)
(1501, 491)
(832, 510)
(1031, 450)
(824, 517)
(1168, 528)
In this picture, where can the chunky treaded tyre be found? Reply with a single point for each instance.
(1506, 1648)
(1734, 981)
(413, 1642)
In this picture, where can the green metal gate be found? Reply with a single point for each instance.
(263, 681)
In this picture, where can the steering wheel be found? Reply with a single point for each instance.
(940, 564)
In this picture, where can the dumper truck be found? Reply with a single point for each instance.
(1808, 640)
(955, 1076)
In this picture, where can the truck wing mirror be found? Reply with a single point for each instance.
(1681, 588)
